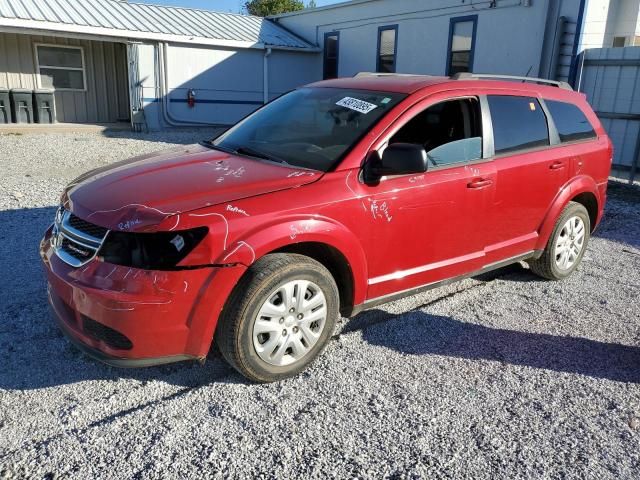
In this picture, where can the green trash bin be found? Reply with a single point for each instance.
(5, 106)
(22, 105)
(44, 106)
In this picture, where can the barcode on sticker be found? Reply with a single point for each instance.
(357, 105)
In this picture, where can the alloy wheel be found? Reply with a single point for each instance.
(569, 243)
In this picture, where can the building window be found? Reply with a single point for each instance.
(387, 49)
(619, 41)
(462, 41)
(518, 123)
(60, 67)
(331, 50)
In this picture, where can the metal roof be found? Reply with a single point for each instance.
(114, 18)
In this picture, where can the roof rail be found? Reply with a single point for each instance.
(482, 76)
(381, 74)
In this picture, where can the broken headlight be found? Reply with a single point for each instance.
(150, 251)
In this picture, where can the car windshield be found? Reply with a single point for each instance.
(308, 128)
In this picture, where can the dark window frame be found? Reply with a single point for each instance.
(395, 46)
(452, 23)
(324, 55)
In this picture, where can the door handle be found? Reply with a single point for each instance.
(480, 183)
(556, 165)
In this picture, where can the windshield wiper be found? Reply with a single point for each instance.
(244, 150)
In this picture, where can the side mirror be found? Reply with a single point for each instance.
(397, 159)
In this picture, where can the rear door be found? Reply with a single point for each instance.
(529, 173)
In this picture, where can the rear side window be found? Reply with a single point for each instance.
(570, 121)
(518, 123)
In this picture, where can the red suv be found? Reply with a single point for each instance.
(331, 199)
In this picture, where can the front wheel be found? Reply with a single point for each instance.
(567, 244)
(279, 317)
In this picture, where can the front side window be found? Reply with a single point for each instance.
(450, 132)
(462, 39)
(570, 121)
(310, 127)
(387, 47)
(60, 67)
(518, 123)
(331, 50)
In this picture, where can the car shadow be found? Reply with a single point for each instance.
(621, 220)
(420, 333)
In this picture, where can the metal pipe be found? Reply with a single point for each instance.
(265, 76)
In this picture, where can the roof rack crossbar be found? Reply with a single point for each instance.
(481, 76)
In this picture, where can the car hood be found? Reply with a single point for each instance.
(143, 191)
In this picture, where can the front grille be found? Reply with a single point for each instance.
(86, 227)
(102, 333)
(74, 240)
(76, 250)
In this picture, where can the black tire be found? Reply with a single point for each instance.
(546, 266)
(234, 334)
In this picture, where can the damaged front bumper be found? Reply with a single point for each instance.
(131, 317)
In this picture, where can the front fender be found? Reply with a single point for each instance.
(570, 190)
(265, 239)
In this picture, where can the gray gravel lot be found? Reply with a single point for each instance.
(502, 376)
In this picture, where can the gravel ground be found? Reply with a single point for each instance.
(502, 376)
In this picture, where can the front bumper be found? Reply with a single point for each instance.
(131, 317)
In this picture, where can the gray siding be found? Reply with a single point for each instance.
(611, 80)
(106, 98)
(509, 37)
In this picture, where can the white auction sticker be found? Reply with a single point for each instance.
(357, 105)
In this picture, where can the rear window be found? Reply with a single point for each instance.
(570, 122)
(518, 123)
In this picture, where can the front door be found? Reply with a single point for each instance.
(429, 226)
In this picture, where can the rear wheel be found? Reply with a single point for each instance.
(567, 244)
(279, 317)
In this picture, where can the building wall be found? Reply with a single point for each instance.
(228, 83)
(106, 98)
(623, 21)
(509, 39)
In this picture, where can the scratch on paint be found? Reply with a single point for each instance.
(111, 273)
(186, 285)
(131, 205)
(416, 178)
(300, 174)
(116, 309)
(150, 303)
(364, 207)
(228, 172)
(240, 245)
(177, 222)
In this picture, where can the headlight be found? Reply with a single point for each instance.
(150, 251)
